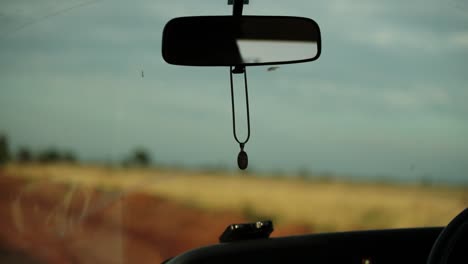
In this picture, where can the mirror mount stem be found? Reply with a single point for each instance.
(238, 69)
(237, 6)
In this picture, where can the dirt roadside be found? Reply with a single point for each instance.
(42, 222)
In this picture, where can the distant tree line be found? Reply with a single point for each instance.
(25, 155)
(50, 155)
(139, 157)
(4, 150)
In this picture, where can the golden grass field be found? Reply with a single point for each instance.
(321, 205)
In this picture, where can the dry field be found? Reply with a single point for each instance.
(319, 205)
(100, 219)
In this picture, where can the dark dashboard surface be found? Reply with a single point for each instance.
(376, 246)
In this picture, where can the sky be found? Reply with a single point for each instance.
(386, 99)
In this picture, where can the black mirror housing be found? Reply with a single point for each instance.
(240, 41)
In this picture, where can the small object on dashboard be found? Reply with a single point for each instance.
(247, 231)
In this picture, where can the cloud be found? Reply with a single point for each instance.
(459, 39)
(406, 39)
(416, 98)
(419, 26)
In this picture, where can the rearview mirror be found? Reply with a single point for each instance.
(245, 40)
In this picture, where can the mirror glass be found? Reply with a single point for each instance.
(264, 51)
(247, 40)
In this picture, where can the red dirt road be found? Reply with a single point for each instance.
(43, 222)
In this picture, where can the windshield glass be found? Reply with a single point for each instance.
(110, 155)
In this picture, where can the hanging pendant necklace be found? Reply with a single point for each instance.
(242, 157)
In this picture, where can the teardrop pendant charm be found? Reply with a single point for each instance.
(242, 160)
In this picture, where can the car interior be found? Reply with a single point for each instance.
(305, 133)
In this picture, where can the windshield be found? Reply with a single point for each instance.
(110, 155)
